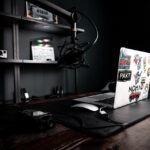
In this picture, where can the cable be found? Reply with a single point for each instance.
(105, 116)
(94, 26)
(74, 52)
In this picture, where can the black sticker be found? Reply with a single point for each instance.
(124, 75)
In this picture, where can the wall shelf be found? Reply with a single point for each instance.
(9, 18)
(33, 24)
(47, 27)
(39, 62)
(23, 61)
(10, 61)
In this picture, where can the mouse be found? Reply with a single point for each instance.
(86, 106)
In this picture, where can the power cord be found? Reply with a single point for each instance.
(105, 116)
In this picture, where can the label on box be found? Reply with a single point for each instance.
(43, 53)
(35, 12)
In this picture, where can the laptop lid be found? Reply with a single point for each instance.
(132, 83)
(133, 77)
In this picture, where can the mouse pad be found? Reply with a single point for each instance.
(91, 123)
(87, 122)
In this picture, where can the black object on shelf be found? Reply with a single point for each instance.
(24, 95)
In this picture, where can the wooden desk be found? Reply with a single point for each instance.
(136, 137)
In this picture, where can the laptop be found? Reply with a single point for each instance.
(132, 84)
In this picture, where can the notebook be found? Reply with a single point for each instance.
(132, 84)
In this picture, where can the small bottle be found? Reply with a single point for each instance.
(61, 91)
(57, 91)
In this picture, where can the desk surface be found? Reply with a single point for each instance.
(135, 137)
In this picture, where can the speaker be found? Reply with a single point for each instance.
(3, 53)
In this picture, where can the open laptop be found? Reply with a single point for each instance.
(132, 84)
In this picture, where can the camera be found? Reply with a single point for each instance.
(3, 53)
(36, 119)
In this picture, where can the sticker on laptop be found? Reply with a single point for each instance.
(124, 75)
(135, 88)
(124, 60)
(134, 96)
(146, 88)
(137, 77)
(138, 61)
(148, 60)
(135, 92)
(144, 64)
(148, 72)
(143, 81)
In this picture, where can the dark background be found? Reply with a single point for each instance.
(122, 23)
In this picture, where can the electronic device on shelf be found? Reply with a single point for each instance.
(24, 95)
(3, 53)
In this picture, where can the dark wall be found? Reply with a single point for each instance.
(102, 57)
(122, 23)
(98, 57)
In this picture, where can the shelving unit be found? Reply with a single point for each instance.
(38, 26)
(17, 22)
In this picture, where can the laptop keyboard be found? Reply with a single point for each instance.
(103, 96)
(107, 101)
